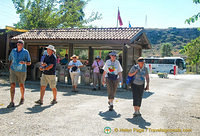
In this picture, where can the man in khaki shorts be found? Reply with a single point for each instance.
(48, 67)
(19, 59)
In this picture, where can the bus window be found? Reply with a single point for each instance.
(161, 61)
(156, 61)
(147, 61)
(180, 64)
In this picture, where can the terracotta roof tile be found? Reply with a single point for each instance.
(81, 34)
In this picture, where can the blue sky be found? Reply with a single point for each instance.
(160, 13)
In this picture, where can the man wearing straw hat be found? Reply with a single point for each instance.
(74, 70)
(48, 67)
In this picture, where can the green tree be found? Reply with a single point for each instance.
(166, 50)
(192, 51)
(41, 14)
(194, 17)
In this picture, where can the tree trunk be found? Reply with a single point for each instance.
(196, 68)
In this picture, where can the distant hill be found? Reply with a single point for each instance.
(178, 37)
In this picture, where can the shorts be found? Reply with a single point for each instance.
(111, 87)
(48, 79)
(74, 77)
(16, 76)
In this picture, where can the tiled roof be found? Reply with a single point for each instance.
(81, 34)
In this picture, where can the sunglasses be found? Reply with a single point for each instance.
(141, 60)
(20, 42)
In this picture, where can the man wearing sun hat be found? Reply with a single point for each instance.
(138, 85)
(48, 68)
(19, 60)
(74, 70)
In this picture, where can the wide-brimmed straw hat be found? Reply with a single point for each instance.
(74, 56)
(51, 47)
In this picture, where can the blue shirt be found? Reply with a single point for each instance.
(64, 61)
(50, 60)
(15, 57)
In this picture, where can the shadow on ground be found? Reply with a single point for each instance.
(8, 110)
(195, 117)
(37, 109)
(147, 94)
(109, 115)
(140, 121)
(34, 86)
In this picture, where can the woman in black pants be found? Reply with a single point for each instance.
(140, 73)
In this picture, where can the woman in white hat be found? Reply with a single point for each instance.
(74, 70)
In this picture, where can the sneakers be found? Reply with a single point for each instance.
(54, 102)
(111, 108)
(137, 113)
(39, 102)
(21, 102)
(11, 105)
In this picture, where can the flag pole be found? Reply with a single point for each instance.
(117, 16)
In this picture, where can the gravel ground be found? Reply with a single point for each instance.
(170, 105)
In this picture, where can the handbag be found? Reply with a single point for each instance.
(130, 79)
(100, 69)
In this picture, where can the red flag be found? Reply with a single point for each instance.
(119, 18)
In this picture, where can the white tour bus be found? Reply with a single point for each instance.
(166, 64)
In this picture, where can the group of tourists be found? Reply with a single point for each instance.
(109, 74)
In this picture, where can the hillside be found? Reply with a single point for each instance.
(178, 37)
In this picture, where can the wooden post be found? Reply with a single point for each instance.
(124, 65)
(71, 51)
(7, 46)
(90, 55)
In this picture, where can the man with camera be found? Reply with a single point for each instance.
(48, 68)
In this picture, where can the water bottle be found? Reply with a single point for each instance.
(120, 84)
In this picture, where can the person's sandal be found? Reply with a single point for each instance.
(21, 102)
(39, 102)
(54, 102)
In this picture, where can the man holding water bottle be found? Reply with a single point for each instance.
(19, 60)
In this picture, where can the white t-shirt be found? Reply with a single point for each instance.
(77, 63)
(112, 67)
